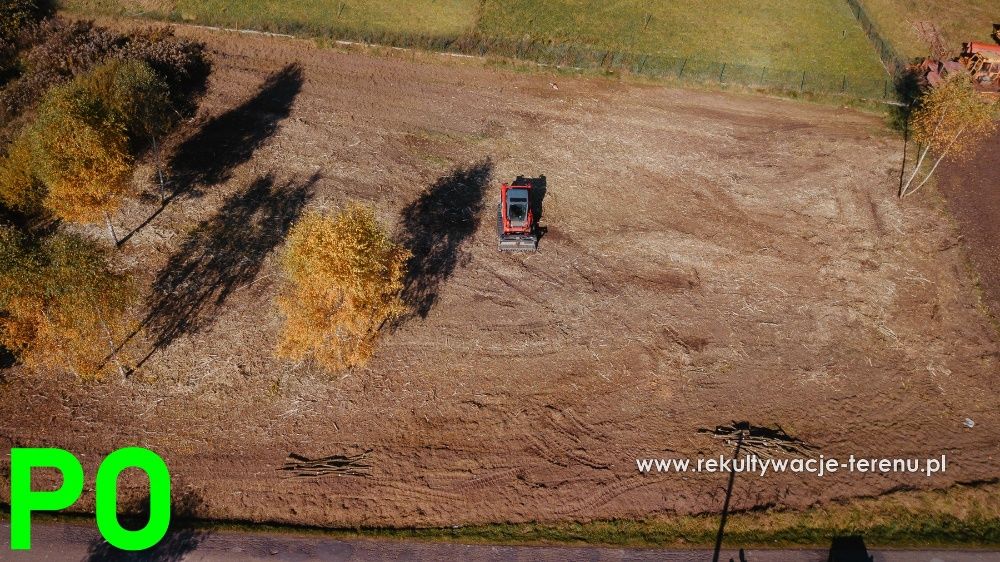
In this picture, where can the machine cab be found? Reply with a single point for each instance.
(517, 207)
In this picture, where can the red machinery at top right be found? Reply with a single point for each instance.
(980, 60)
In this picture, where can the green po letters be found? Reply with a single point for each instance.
(23, 500)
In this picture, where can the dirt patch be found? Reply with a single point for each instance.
(709, 257)
(973, 196)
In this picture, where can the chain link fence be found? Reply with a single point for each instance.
(586, 57)
(894, 63)
(692, 70)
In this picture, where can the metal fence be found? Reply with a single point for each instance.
(680, 68)
(567, 55)
(692, 70)
(889, 57)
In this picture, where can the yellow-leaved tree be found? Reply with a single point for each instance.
(81, 154)
(950, 118)
(20, 189)
(138, 100)
(344, 277)
(63, 306)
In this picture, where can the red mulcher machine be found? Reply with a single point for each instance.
(516, 227)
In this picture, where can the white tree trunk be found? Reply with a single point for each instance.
(920, 161)
(936, 162)
(159, 169)
(111, 228)
(111, 347)
(916, 168)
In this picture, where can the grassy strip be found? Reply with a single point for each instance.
(317, 17)
(961, 516)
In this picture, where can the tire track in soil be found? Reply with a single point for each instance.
(606, 495)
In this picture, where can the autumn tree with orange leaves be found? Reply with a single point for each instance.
(64, 306)
(344, 277)
(81, 155)
(20, 188)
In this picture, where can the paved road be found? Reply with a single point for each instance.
(81, 543)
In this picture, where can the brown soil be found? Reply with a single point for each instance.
(974, 197)
(709, 258)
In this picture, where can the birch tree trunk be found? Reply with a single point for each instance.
(936, 163)
(111, 227)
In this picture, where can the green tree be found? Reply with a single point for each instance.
(63, 305)
(343, 282)
(950, 118)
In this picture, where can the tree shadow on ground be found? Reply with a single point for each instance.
(435, 226)
(7, 360)
(224, 142)
(224, 253)
(209, 156)
(181, 539)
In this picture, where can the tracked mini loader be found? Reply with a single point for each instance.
(516, 228)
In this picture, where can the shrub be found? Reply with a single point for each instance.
(62, 50)
(18, 15)
(182, 64)
(344, 278)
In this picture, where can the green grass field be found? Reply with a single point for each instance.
(424, 17)
(819, 36)
(958, 20)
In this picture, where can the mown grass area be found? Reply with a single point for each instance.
(959, 21)
(819, 36)
(315, 17)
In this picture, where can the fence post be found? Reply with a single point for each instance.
(642, 64)
(802, 84)
(843, 88)
(762, 73)
(680, 73)
(722, 72)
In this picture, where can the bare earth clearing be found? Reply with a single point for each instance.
(709, 258)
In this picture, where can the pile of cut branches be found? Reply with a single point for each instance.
(340, 465)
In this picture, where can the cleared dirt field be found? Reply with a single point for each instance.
(709, 258)
(971, 187)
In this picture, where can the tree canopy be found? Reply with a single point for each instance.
(64, 306)
(344, 278)
(20, 188)
(80, 150)
(950, 118)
